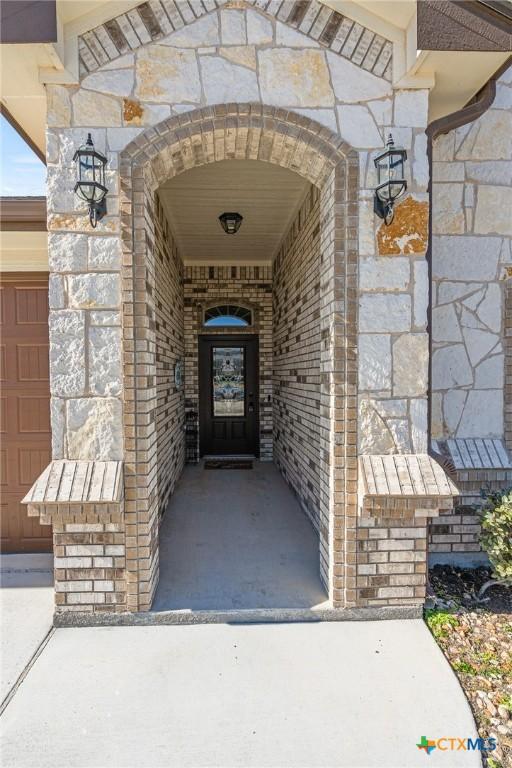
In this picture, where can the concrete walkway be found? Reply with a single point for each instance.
(236, 539)
(354, 694)
(26, 612)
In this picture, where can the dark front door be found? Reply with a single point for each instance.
(228, 395)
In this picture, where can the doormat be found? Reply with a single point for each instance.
(228, 464)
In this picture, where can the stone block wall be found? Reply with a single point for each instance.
(296, 362)
(85, 346)
(314, 22)
(471, 261)
(471, 300)
(249, 286)
(393, 301)
(170, 347)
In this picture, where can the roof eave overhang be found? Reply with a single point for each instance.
(453, 73)
(23, 214)
(462, 25)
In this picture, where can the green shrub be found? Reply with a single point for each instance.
(496, 537)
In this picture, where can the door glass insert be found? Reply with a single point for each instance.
(228, 381)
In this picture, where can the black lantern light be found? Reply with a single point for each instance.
(90, 186)
(230, 222)
(391, 182)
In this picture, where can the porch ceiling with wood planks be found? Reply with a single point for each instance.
(266, 195)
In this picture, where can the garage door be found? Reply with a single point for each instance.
(24, 407)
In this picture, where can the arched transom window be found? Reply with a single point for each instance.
(227, 314)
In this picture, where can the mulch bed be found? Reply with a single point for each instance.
(476, 638)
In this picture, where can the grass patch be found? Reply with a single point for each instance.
(464, 667)
(440, 623)
(488, 664)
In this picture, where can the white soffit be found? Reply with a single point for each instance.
(459, 75)
(266, 195)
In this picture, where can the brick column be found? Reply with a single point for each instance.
(84, 502)
(90, 559)
(398, 494)
(391, 559)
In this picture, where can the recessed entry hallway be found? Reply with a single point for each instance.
(236, 539)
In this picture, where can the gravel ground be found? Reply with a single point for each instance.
(476, 638)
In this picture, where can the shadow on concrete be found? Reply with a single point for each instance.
(237, 539)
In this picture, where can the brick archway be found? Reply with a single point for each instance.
(268, 134)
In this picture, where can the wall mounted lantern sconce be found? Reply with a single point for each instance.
(230, 222)
(90, 185)
(391, 182)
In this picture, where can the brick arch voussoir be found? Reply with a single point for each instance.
(236, 131)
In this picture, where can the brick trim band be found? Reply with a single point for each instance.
(154, 20)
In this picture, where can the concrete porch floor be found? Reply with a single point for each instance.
(236, 539)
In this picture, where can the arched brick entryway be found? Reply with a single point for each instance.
(243, 132)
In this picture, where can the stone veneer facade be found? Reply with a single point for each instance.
(471, 312)
(294, 84)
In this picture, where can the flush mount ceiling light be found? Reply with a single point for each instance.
(391, 182)
(90, 184)
(230, 222)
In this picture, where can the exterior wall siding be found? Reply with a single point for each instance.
(296, 367)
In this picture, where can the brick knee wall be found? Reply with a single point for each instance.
(90, 562)
(458, 531)
(391, 561)
(455, 530)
